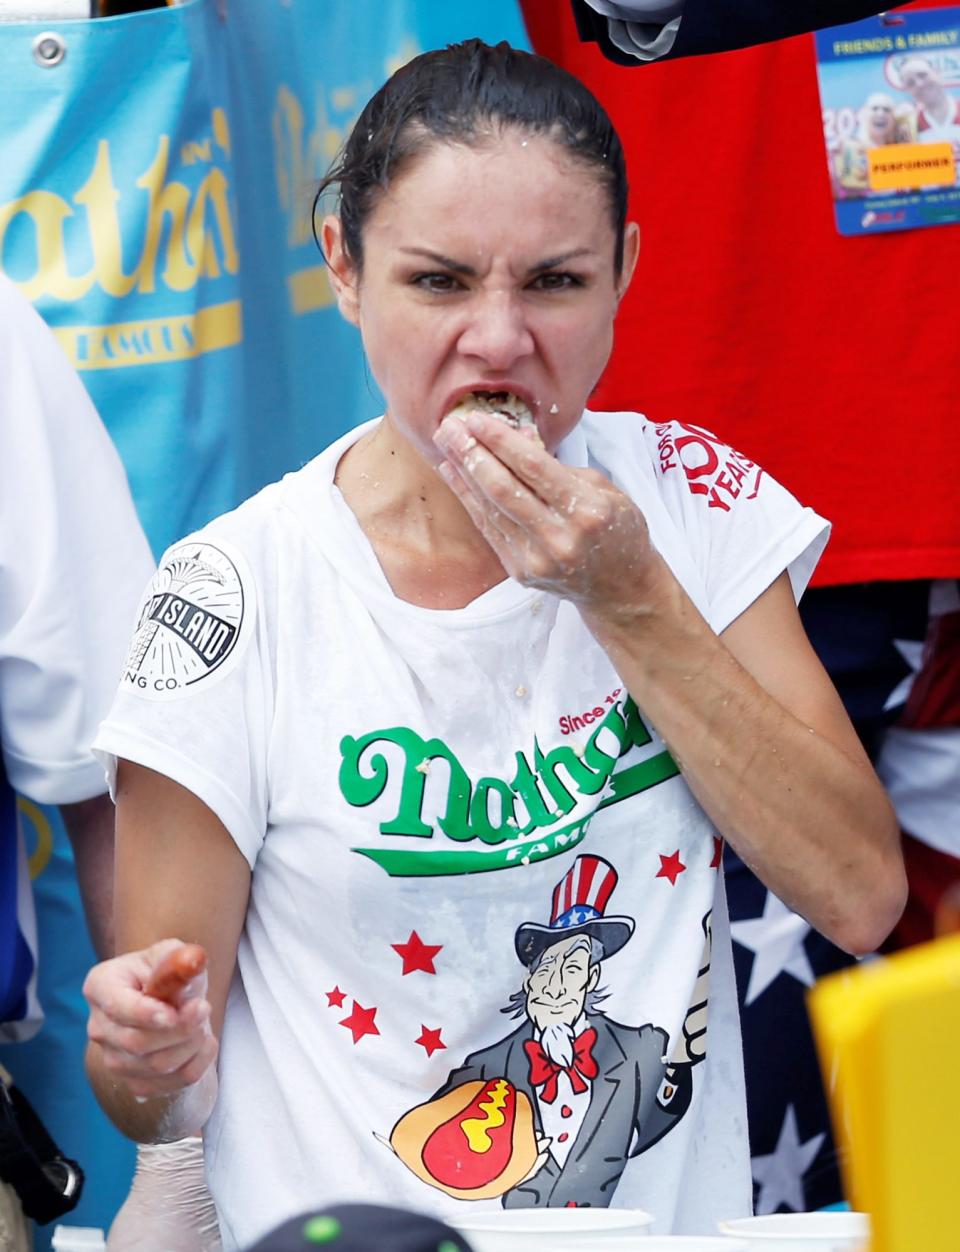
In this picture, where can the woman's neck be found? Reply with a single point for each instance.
(430, 551)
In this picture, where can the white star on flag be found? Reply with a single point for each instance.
(776, 940)
(780, 1175)
(912, 652)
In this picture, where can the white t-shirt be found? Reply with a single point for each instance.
(437, 805)
(73, 560)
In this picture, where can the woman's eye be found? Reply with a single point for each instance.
(555, 282)
(439, 284)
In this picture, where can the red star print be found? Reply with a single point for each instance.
(717, 852)
(417, 954)
(360, 1022)
(671, 867)
(335, 998)
(430, 1039)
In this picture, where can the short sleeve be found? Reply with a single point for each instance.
(741, 527)
(73, 560)
(195, 691)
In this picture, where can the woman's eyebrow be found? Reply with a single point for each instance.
(468, 271)
(444, 262)
(553, 262)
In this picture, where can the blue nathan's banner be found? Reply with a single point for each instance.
(155, 195)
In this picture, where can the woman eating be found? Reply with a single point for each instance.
(432, 746)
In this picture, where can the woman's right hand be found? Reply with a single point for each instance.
(152, 1048)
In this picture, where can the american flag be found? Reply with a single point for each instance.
(893, 652)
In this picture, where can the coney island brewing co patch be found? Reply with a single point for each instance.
(193, 621)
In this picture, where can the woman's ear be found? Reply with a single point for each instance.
(343, 273)
(631, 250)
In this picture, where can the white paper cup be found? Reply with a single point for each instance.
(542, 1230)
(802, 1232)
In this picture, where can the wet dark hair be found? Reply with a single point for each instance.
(455, 95)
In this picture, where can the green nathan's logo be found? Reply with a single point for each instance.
(544, 809)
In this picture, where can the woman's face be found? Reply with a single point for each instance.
(488, 269)
(880, 118)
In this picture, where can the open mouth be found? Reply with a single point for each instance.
(503, 404)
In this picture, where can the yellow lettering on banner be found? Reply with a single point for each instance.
(862, 47)
(153, 340)
(296, 157)
(39, 858)
(213, 190)
(47, 213)
(309, 289)
(192, 152)
(191, 251)
(933, 39)
(194, 228)
(165, 200)
(99, 197)
(903, 166)
(304, 144)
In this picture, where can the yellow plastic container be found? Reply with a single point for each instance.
(888, 1034)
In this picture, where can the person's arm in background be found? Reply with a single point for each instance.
(90, 826)
(659, 31)
(73, 564)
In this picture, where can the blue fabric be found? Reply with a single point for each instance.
(16, 960)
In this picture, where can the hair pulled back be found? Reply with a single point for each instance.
(460, 94)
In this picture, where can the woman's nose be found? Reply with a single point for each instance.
(497, 332)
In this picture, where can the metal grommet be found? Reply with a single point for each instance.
(49, 49)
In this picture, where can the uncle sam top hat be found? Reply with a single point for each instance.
(579, 900)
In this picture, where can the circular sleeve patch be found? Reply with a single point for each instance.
(194, 622)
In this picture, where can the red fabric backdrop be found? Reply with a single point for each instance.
(831, 361)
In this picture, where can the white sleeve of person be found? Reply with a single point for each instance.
(168, 1205)
(743, 529)
(73, 559)
(196, 689)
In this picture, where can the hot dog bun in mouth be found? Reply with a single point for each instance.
(503, 404)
